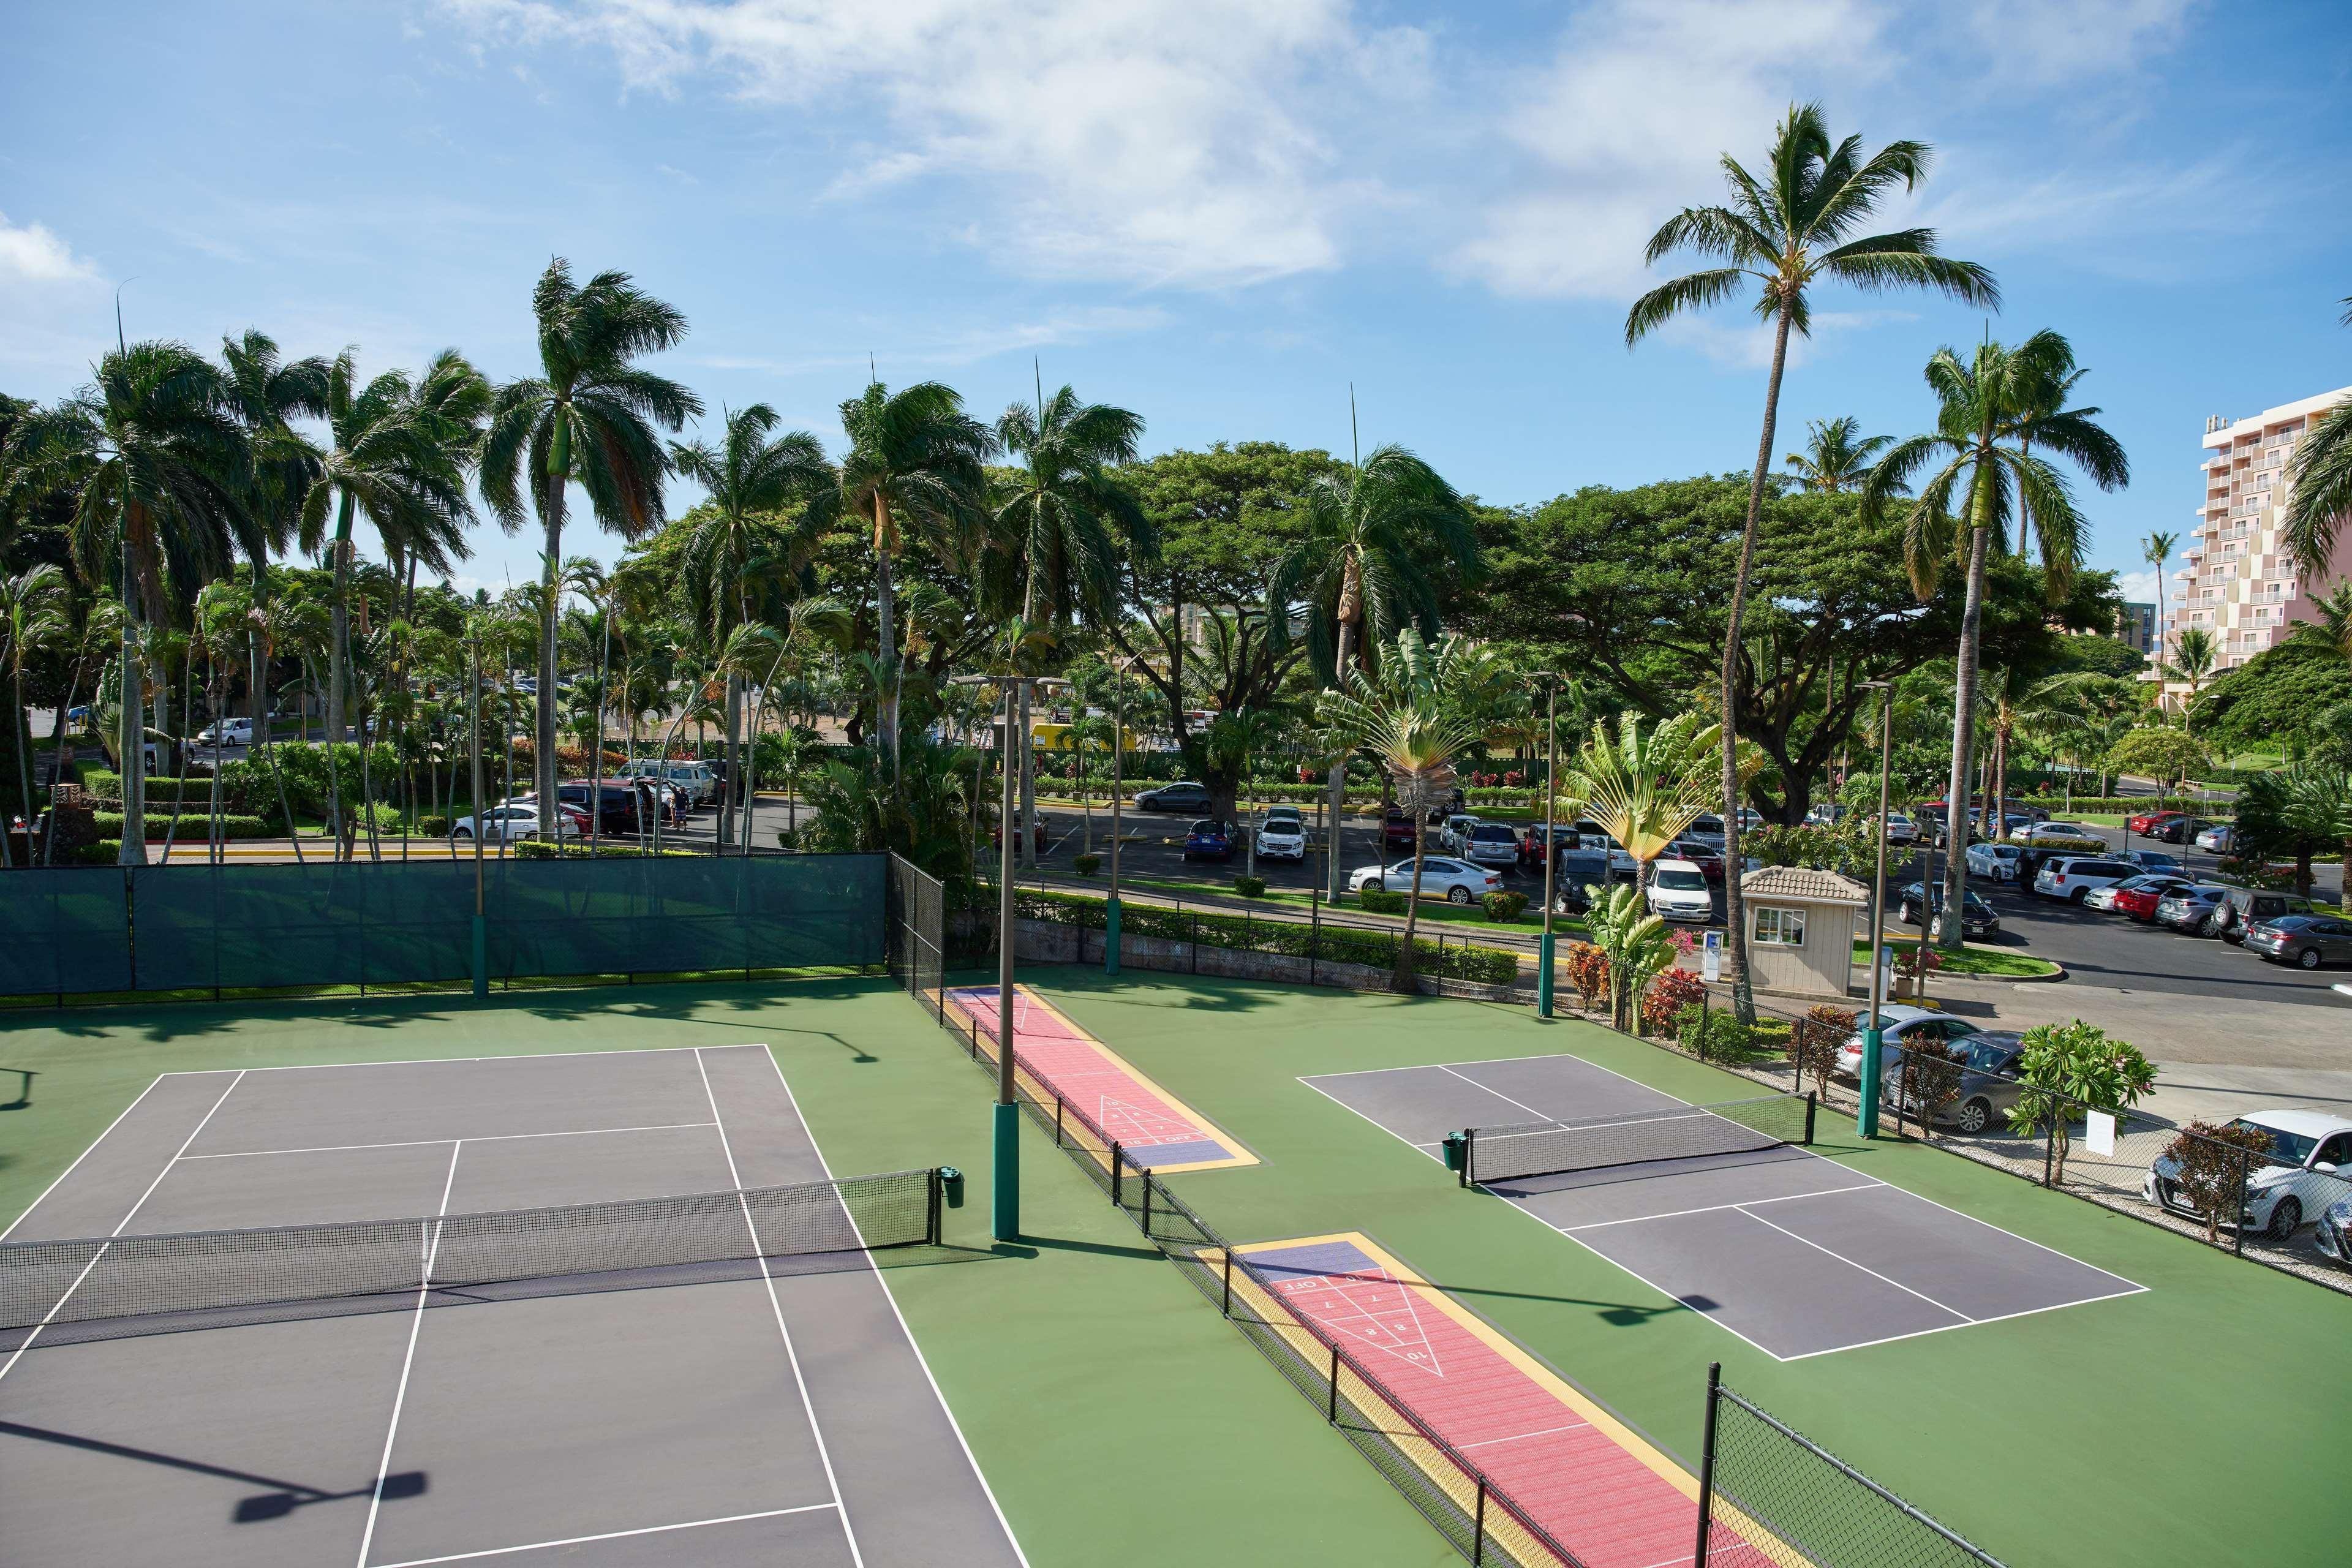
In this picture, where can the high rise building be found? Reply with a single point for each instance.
(2241, 585)
(2136, 625)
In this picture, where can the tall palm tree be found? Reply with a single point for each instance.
(1835, 456)
(162, 471)
(917, 462)
(455, 398)
(1064, 520)
(269, 394)
(587, 418)
(1787, 231)
(1368, 528)
(2322, 476)
(33, 620)
(1967, 505)
(2156, 549)
(2195, 653)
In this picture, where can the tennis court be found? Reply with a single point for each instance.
(1721, 1207)
(696, 1360)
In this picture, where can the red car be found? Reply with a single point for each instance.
(2148, 822)
(2137, 899)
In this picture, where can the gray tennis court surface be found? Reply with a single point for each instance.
(765, 1412)
(1796, 1254)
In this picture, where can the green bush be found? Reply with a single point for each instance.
(1379, 901)
(1505, 905)
(1087, 864)
(433, 826)
(193, 825)
(539, 849)
(105, 852)
(1485, 965)
(1250, 887)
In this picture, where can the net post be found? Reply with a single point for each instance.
(1331, 1407)
(932, 1225)
(1478, 1524)
(1812, 1104)
(1707, 1464)
(1117, 1158)
(1469, 1153)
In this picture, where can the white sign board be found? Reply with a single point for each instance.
(1711, 960)
(2099, 1132)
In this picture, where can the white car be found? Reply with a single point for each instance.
(1452, 880)
(227, 732)
(2043, 832)
(1454, 836)
(1901, 829)
(1620, 860)
(696, 779)
(1282, 835)
(1899, 1026)
(2073, 876)
(1678, 892)
(2310, 1169)
(2217, 838)
(518, 819)
(1994, 862)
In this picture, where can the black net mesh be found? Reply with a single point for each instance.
(136, 1276)
(1779, 1497)
(64, 930)
(1676, 1133)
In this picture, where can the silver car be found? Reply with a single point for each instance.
(2218, 839)
(1441, 878)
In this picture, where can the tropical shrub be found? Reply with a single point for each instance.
(1815, 1040)
(2213, 1159)
(1087, 865)
(193, 826)
(1250, 887)
(1381, 902)
(1505, 905)
(1588, 970)
(1664, 999)
(2064, 1067)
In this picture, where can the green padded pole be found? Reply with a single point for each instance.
(481, 956)
(1543, 976)
(1006, 1215)
(1865, 1120)
(1111, 936)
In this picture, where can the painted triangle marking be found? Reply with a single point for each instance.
(1133, 1124)
(1378, 1310)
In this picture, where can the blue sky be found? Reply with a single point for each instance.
(1220, 212)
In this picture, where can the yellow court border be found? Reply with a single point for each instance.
(1044, 1094)
(1648, 1453)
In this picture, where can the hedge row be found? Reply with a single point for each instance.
(193, 826)
(2131, 804)
(539, 849)
(1294, 938)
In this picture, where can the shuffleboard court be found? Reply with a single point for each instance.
(1060, 1061)
(1793, 1252)
(757, 1401)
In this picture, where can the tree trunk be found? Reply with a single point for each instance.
(1964, 732)
(133, 851)
(1333, 870)
(256, 668)
(1743, 992)
(1027, 742)
(886, 698)
(338, 655)
(1405, 979)
(543, 769)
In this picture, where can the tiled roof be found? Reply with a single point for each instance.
(1802, 882)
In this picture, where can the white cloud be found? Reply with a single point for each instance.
(963, 345)
(2139, 587)
(1183, 141)
(32, 253)
(2045, 42)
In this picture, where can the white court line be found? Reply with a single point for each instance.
(434, 1061)
(1971, 1323)
(77, 1159)
(437, 1142)
(430, 1249)
(18, 1354)
(1714, 1208)
(1432, 1150)
(1866, 1267)
(1499, 1094)
(775, 1303)
(608, 1535)
(1523, 1437)
(1553, 1124)
(920, 1360)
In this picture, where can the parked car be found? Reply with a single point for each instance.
(1490, 844)
(1175, 797)
(518, 819)
(2241, 908)
(2308, 1172)
(2191, 910)
(1399, 831)
(1976, 917)
(2305, 941)
(696, 779)
(1994, 862)
(1987, 1083)
(1706, 828)
(1282, 835)
(1901, 1024)
(1622, 863)
(1678, 891)
(1209, 839)
(2179, 829)
(1441, 878)
(2156, 861)
(619, 806)
(2071, 878)
(2138, 896)
(1708, 857)
(2219, 838)
(2034, 832)
(2147, 823)
(2333, 1235)
(1533, 850)
(1901, 828)
(1579, 869)
(227, 732)
(1825, 814)
(1454, 836)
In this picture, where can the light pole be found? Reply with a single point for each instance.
(474, 746)
(1005, 1204)
(1866, 1120)
(1551, 789)
(1119, 668)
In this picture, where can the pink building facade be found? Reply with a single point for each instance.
(2240, 584)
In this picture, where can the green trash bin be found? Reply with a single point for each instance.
(1458, 1153)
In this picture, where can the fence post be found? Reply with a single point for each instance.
(1226, 1306)
(2238, 1229)
(1147, 1205)
(1331, 1410)
(1707, 1465)
(1313, 930)
(1196, 944)
(1478, 1525)
(1057, 1122)
(1705, 1020)
(1116, 1157)
(2049, 1140)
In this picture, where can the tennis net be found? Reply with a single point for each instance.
(1673, 1132)
(44, 1282)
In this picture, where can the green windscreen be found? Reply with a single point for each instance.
(63, 930)
(226, 927)
(663, 916)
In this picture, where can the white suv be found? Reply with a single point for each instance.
(2073, 876)
(1678, 892)
(1282, 835)
(2310, 1168)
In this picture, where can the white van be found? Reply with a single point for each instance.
(700, 784)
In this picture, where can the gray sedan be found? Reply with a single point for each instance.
(1987, 1085)
(2309, 941)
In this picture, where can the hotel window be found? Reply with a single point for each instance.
(1781, 928)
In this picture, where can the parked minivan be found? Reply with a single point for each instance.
(2071, 876)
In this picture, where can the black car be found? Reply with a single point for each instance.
(2179, 829)
(618, 808)
(1179, 797)
(1976, 917)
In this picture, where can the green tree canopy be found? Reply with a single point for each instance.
(2272, 697)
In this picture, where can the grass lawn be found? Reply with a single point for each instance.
(1435, 910)
(1992, 961)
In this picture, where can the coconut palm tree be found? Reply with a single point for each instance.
(2195, 653)
(1421, 709)
(269, 394)
(917, 462)
(457, 398)
(2156, 549)
(1966, 506)
(34, 619)
(1787, 231)
(2322, 476)
(1836, 458)
(587, 418)
(1368, 528)
(161, 471)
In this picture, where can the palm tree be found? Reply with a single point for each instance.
(2322, 476)
(162, 471)
(1063, 521)
(916, 461)
(1787, 231)
(2156, 549)
(33, 620)
(1424, 707)
(269, 394)
(751, 476)
(1368, 528)
(457, 398)
(2194, 655)
(1966, 507)
(587, 418)
(1646, 789)
(1834, 460)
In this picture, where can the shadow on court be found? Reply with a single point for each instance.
(282, 1498)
